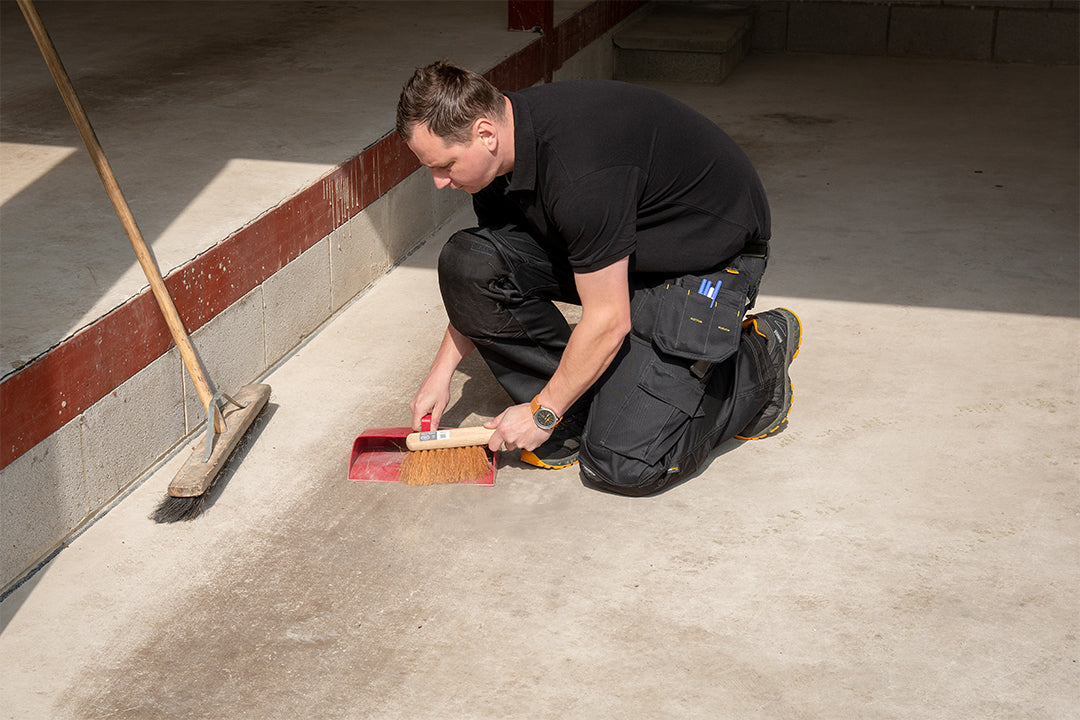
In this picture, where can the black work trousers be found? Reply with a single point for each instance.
(670, 395)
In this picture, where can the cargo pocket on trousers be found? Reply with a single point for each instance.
(654, 413)
(700, 318)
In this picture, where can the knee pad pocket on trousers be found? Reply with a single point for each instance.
(469, 258)
(608, 471)
(468, 266)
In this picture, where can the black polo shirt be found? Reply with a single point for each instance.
(604, 170)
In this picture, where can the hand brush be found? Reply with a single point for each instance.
(446, 456)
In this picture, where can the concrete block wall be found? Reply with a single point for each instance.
(320, 249)
(1042, 31)
(595, 60)
(51, 490)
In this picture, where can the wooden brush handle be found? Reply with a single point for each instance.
(449, 438)
(112, 188)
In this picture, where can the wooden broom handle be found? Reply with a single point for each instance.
(449, 438)
(146, 259)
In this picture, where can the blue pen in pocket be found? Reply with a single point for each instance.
(708, 289)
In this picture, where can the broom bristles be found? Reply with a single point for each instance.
(444, 466)
(179, 509)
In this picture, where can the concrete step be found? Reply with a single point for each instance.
(684, 42)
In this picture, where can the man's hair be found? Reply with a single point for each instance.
(448, 99)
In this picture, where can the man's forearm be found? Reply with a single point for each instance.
(434, 392)
(604, 324)
(593, 344)
(588, 354)
(455, 347)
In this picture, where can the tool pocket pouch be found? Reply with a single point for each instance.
(652, 415)
(700, 317)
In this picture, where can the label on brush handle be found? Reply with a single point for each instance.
(434, 435)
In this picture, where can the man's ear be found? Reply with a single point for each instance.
(487, 132)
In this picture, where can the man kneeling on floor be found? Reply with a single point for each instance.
(642, 211)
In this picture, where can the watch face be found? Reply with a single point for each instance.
(545, 418)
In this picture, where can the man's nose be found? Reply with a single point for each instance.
(441, 179)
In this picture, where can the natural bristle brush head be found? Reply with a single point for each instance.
(445, 465)
(451, 455)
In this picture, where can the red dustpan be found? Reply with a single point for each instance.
(378, 452)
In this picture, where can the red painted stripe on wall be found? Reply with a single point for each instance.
(49, 392)
(55, 388)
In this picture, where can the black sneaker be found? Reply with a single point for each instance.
(783, 334)
(561, 449)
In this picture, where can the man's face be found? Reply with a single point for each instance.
(470, 167)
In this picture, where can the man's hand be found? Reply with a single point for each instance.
(431, 399)
(434, 393)
(516, 429)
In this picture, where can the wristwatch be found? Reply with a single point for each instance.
(545, 418)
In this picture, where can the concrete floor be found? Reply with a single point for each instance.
(907, 548)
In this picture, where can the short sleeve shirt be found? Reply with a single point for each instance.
(605, 170)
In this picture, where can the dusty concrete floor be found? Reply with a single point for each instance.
(907, 548)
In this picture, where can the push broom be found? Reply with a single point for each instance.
(228, 418)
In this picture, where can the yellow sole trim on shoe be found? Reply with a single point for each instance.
(528, 457)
